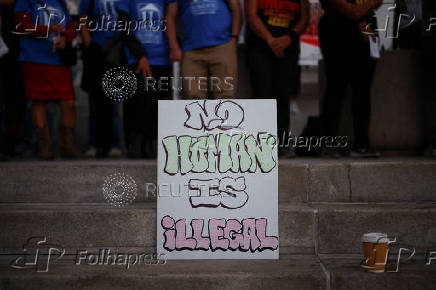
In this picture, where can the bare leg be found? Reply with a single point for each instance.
(41, 130)
(68, 113)
(67, 124)
(39, 114)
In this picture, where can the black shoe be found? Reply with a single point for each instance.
(364, 152)
(135, 145)
(150, 149)
(283, 152)
(3, 158)
(331, 153)
(101, 153)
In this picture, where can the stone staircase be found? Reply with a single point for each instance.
(324, 208)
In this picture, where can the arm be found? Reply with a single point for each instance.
(236, 19)
(134, 45)
(352, 11)
(255, 23)
(281, 43)
(84, 31)
(70, 31)
(302, 23)
(67, 36)
(175, 51)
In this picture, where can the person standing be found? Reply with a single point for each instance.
(98, 30)
(344, 34)
(210, 34)
(11, 82)
(273, 52)
(140, 111)
(46, 28)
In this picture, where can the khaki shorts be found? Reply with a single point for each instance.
(215, 67)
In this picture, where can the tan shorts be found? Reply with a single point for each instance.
(216, 67)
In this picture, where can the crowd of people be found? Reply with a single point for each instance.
(37, 68)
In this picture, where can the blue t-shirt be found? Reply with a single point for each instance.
(40, 49)
(205, 23)
(104, 18)
(148, 24)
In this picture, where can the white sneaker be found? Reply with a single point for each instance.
(91, 152)
(115, 153)
(294, 107)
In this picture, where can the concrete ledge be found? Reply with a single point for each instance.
(341, 226)
(329, 182)
(393, 181)
(292, 272)
(69, 181)
(101, 226)
(78, 226)
(300, 180)
(301, 273)
(293, 181)
(345, 274)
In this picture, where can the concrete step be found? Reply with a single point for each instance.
(340, 272)
(304, 229)
(345, 273)
(300, 180)
(102, 226)
(301, 273)
(341, 226)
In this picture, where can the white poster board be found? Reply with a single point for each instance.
(217, 180)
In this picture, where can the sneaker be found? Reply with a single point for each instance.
(294, 107)
(91, 152)
(115, 153)
(292, 153)
(364, 152)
